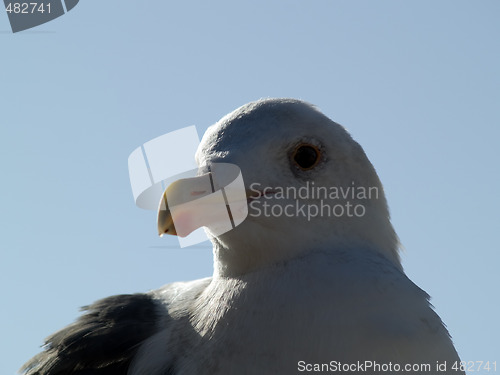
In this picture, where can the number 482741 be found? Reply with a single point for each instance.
(26, 8)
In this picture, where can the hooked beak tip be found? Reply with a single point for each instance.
(164, 221)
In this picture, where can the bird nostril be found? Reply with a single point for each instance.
(197, 193)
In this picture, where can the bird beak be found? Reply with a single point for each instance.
(192, 204)
(165, 221)
(216, 200)
(181, 196)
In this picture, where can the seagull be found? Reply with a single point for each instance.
(310, 281)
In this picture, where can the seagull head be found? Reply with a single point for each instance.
(308, 187)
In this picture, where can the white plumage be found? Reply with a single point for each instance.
(289, 293)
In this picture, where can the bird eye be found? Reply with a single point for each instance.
(306, 156)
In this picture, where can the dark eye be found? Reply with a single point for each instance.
(306, 156)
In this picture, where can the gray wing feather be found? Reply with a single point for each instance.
(103, 340)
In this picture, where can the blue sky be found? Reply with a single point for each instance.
(417, 83)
